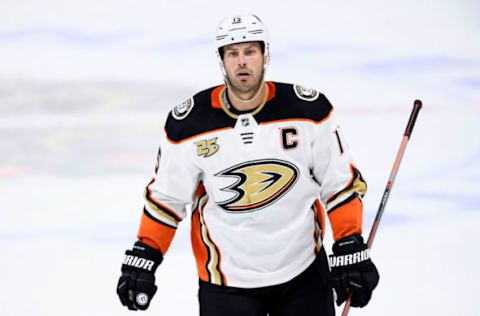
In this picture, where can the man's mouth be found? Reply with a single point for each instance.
(243, 75)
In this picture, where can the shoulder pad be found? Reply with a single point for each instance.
(195, 116)
(306, 94)
(182, 110)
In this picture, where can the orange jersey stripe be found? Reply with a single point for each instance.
(320, 215)
(347, 219)
(271, 90)
(205, 250)
(155, 234)
(200, 250)
(216, 97)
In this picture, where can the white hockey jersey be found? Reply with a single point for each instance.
(258, 182)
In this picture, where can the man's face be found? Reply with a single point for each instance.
(244, 66)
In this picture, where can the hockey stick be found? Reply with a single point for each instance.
(417, 105)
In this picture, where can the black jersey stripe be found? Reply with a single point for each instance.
(156, 220)
(159, 206)
(356, 185)
(284, 105)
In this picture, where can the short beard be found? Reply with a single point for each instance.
(238, 90)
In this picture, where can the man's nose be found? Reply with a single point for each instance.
(242, 61)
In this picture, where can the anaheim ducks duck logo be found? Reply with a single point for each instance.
(259, 184)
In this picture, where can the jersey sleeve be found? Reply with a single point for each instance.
(341, 183)
(167, 195)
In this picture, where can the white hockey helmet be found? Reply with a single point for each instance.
(241, 29)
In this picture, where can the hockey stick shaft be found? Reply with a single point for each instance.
(406, 136)
(417, 105)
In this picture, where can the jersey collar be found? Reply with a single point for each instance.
(218, 103)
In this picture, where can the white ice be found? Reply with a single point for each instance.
(84, 87)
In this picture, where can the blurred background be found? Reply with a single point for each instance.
(84, 89)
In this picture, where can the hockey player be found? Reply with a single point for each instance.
(260, 163)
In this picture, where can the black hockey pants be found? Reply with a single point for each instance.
(308, 294)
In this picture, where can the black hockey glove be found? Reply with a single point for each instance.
(352, 270)
(136, 285)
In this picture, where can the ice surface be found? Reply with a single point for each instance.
(84, 89)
